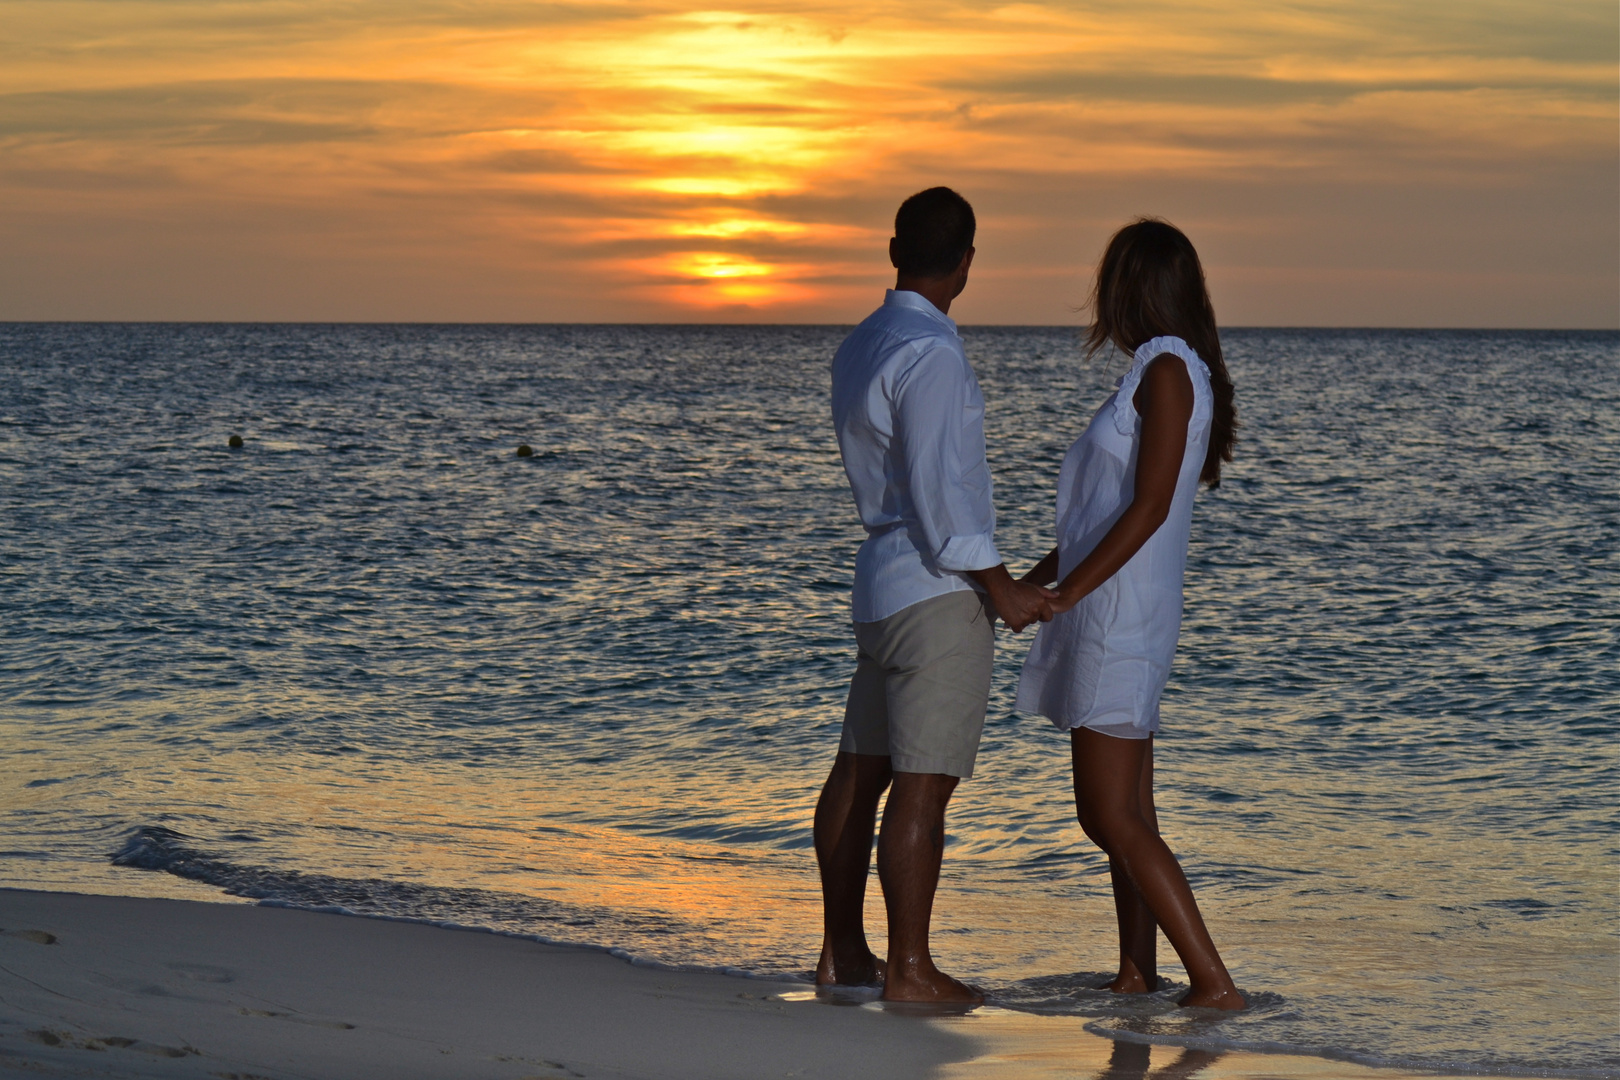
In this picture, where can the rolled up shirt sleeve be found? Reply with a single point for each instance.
(940, 430)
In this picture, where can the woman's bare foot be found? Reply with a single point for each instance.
(1226, 997)
(928, 984)
(1130, 982)
(851, 970)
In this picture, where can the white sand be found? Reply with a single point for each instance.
(95, 986)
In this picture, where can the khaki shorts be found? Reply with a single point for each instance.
(921, 684)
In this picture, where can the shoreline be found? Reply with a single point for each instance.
(105, 986)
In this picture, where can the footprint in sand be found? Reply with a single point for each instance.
(203, 972)
(337, 1025)
(109, 1042)
(555, 1070)
(38, 937)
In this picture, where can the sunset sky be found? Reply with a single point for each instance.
(1348, 163)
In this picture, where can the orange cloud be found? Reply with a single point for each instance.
(710, 279)
(655, 158)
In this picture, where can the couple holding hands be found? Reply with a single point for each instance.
(929, 586)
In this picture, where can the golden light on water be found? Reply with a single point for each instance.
(546, 161)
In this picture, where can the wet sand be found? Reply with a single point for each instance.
(102, 987)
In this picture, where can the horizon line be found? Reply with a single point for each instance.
(756, 325)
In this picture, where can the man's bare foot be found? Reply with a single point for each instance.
(1226, 997)
(852, 970)
(929, 985)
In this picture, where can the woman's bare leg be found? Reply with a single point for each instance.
(1108, 774)
(1138, 930)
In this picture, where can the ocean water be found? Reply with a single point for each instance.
(375, 661)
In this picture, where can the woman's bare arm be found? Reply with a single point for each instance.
(1165, 403)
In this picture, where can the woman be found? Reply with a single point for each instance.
(1124, 508)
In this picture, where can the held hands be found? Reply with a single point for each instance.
(1019, 603)
(1022, 603)
(1061, 600)
(1045, 572)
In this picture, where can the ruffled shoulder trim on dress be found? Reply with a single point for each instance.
(1125, 406)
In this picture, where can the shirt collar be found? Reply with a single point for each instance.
(916, 302)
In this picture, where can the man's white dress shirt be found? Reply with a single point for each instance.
(910, 422)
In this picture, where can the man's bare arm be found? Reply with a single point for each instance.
(1044, 572)
(1017, 602)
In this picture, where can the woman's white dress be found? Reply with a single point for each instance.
(1103, 663)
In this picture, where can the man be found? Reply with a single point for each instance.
(928, 585)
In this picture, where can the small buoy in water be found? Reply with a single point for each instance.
(236, 442)
(525, 450)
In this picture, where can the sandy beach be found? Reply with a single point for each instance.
(97, 986)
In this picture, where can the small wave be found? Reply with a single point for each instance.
(153, 847)
(164, 850)
(1157, 1018)
(1085, 993)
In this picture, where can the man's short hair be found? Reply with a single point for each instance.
(932, 231)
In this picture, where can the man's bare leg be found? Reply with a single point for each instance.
(1138, 930)
(910, 848)
(846, 815)
(1107, 785)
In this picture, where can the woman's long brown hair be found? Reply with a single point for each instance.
(1150, 284)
